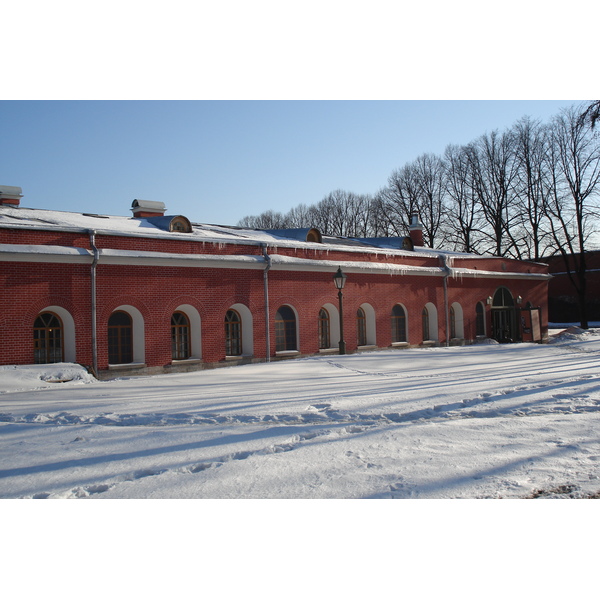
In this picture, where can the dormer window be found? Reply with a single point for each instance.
(180, 224)
(314, 235)
(177, 224)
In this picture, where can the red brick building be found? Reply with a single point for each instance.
(563, 305)
(154, 293)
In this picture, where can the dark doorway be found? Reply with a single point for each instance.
(504, 324)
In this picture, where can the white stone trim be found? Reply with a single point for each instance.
(62, 254)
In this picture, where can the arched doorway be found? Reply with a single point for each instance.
(504, 323)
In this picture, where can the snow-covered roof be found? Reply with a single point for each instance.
(158, 227)
(35, 218)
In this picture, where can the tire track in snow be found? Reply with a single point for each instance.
(294, 442)
(481, 406)
(325, 414)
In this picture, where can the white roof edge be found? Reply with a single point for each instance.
(477, 274)
(62, 254)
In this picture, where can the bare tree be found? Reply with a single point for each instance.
(380, 225)
(266, 220)
(401, 198)
(573, 207)
(430, 170)
(299, 216)
(494, 169)
(532, 186)
(463, 221)
(591, 114)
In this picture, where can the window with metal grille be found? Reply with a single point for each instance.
(398, 324)
(120, 338)
(180, 336)
(233, 333)
(285, 329)
(47, 339)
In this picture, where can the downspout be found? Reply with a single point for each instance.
(266, 293)
(447, 273)
(94, 303)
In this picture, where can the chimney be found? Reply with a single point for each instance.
(10, 195)
(415, 230)
(147, 208)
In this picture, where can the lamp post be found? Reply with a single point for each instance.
(340, 280)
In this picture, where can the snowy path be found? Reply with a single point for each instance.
(473, 422)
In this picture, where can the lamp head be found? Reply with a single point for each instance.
(339, 279)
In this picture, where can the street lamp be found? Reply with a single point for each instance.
(340, 280)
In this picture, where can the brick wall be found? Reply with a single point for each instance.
(156, 292)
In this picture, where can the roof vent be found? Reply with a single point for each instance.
(147, 208)
(10, 195)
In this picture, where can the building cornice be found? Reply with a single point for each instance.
(61, 254)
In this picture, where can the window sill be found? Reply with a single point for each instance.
(367, 347)
(287, 353)
(399, 344)
(429, 343)
(328, 350)
(239, 357)
(127, 366)
(186, 361)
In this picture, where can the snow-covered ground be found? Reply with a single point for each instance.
(484, 421)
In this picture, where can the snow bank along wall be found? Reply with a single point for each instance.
(154, 293)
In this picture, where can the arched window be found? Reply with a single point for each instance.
(398, 324)
(479, 320)
(361, 327)
(425, 323)
(47, 339)
(233, 333)
(324, 329)
(120, 338)
(452, 323)
(180, 336)
(503, 298)
(285, 329)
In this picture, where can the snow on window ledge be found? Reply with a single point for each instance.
(186, 361)
(127, 366)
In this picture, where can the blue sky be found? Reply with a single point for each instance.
(218, 161)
